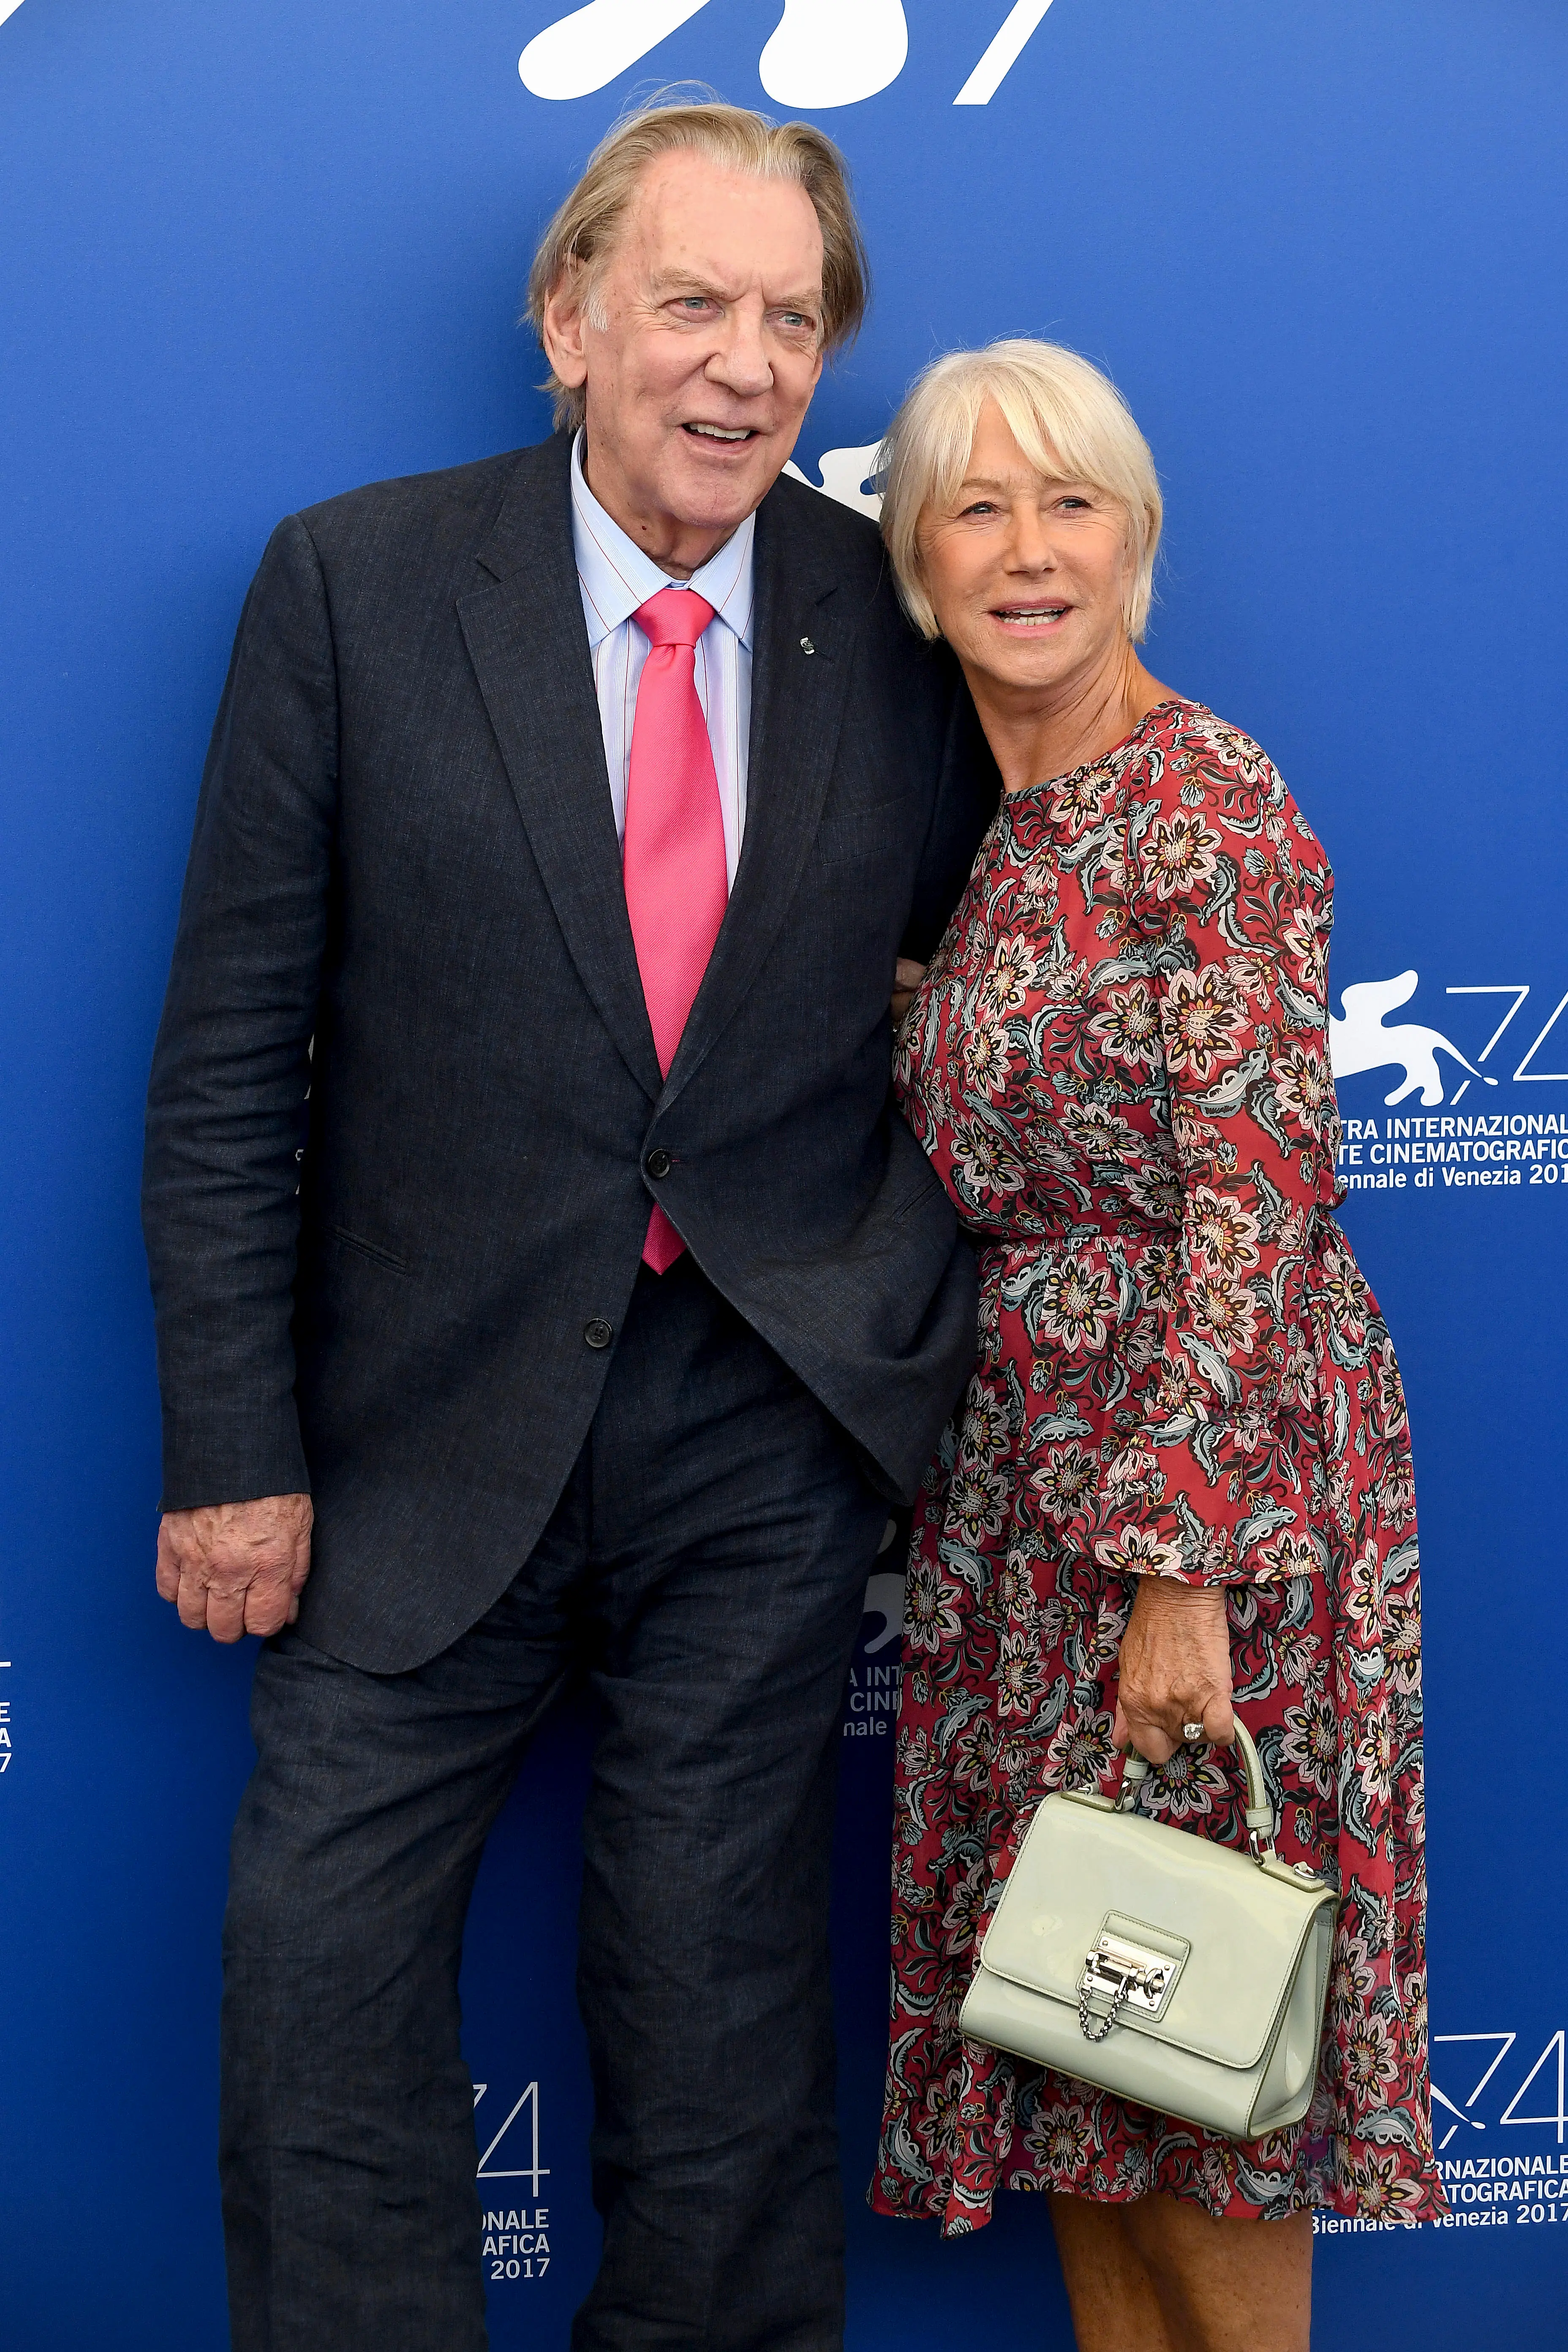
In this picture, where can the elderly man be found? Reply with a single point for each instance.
(544, 1287)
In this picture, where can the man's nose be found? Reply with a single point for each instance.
(740, 363)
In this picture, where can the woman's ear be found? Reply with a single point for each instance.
(929, 628)
(1129, 582)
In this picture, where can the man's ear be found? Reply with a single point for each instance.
(561, 331)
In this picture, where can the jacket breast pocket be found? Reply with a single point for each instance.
(873, 832)
(340, 1235)
(929, 1194)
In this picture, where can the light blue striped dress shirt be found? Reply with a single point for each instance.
(616, 577)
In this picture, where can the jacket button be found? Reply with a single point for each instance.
(598, 1333)
(659, 1163)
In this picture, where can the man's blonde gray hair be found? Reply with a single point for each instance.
(1069, 420)
(582, 232)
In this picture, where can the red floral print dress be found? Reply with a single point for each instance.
(1118, 1062)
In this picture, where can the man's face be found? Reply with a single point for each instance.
(699, 375)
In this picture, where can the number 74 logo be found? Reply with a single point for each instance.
(821, 52)
(1456, 2117)
(533, 2172)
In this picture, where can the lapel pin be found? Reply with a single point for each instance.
(806, 646)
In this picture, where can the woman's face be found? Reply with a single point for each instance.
(1027, 571)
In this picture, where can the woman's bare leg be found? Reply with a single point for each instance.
(1225, 2286)
(1115, 2308)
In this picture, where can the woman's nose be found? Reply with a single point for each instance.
(1030, 547)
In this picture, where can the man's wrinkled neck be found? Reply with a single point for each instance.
(677, 546)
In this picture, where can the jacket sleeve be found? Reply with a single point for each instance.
(227, 1108)
(1221, 1479)
(968, 795)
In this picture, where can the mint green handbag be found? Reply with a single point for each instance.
(1159, 1965)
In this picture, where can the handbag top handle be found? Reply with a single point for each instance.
(1259, 1814)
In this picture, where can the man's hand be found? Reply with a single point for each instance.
(236, 1567)
(907, 976)
(1174, 1668)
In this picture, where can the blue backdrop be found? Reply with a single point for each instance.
(254, 254)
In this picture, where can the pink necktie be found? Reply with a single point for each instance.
(676, 880)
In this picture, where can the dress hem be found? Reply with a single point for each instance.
(962, 2221)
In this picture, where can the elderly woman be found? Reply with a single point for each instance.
(1180, 1478)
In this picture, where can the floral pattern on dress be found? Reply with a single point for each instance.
(1118, 1063)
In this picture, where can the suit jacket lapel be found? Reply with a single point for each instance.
(798, 708)
(529, 650)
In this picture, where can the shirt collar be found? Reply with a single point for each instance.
(616, 577)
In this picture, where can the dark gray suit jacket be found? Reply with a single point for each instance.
(390, 1293)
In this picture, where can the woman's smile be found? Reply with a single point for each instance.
(1029, 619)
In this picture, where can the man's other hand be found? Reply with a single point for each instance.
(236, 1567)
(907, 976)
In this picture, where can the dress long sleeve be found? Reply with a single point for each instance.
(1222, 1481)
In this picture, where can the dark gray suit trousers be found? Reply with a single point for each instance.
(704, 1569)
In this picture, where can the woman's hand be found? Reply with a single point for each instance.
(1174, 1668)
(907, 976)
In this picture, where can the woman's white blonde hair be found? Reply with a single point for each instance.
(1069, 421)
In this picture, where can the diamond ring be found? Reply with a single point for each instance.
(1192, 1731)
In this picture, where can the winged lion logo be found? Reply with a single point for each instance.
(1360, 1042)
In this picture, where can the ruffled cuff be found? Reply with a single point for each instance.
(1226, 1500)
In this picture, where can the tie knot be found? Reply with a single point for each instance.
(676, 616)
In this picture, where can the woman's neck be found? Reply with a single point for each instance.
(1035, 733)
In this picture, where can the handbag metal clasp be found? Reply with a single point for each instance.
(1123, 1976)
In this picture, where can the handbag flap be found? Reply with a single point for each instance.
(1078, 1865)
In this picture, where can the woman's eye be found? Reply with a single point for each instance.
(981, 507)
(1073, 505)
